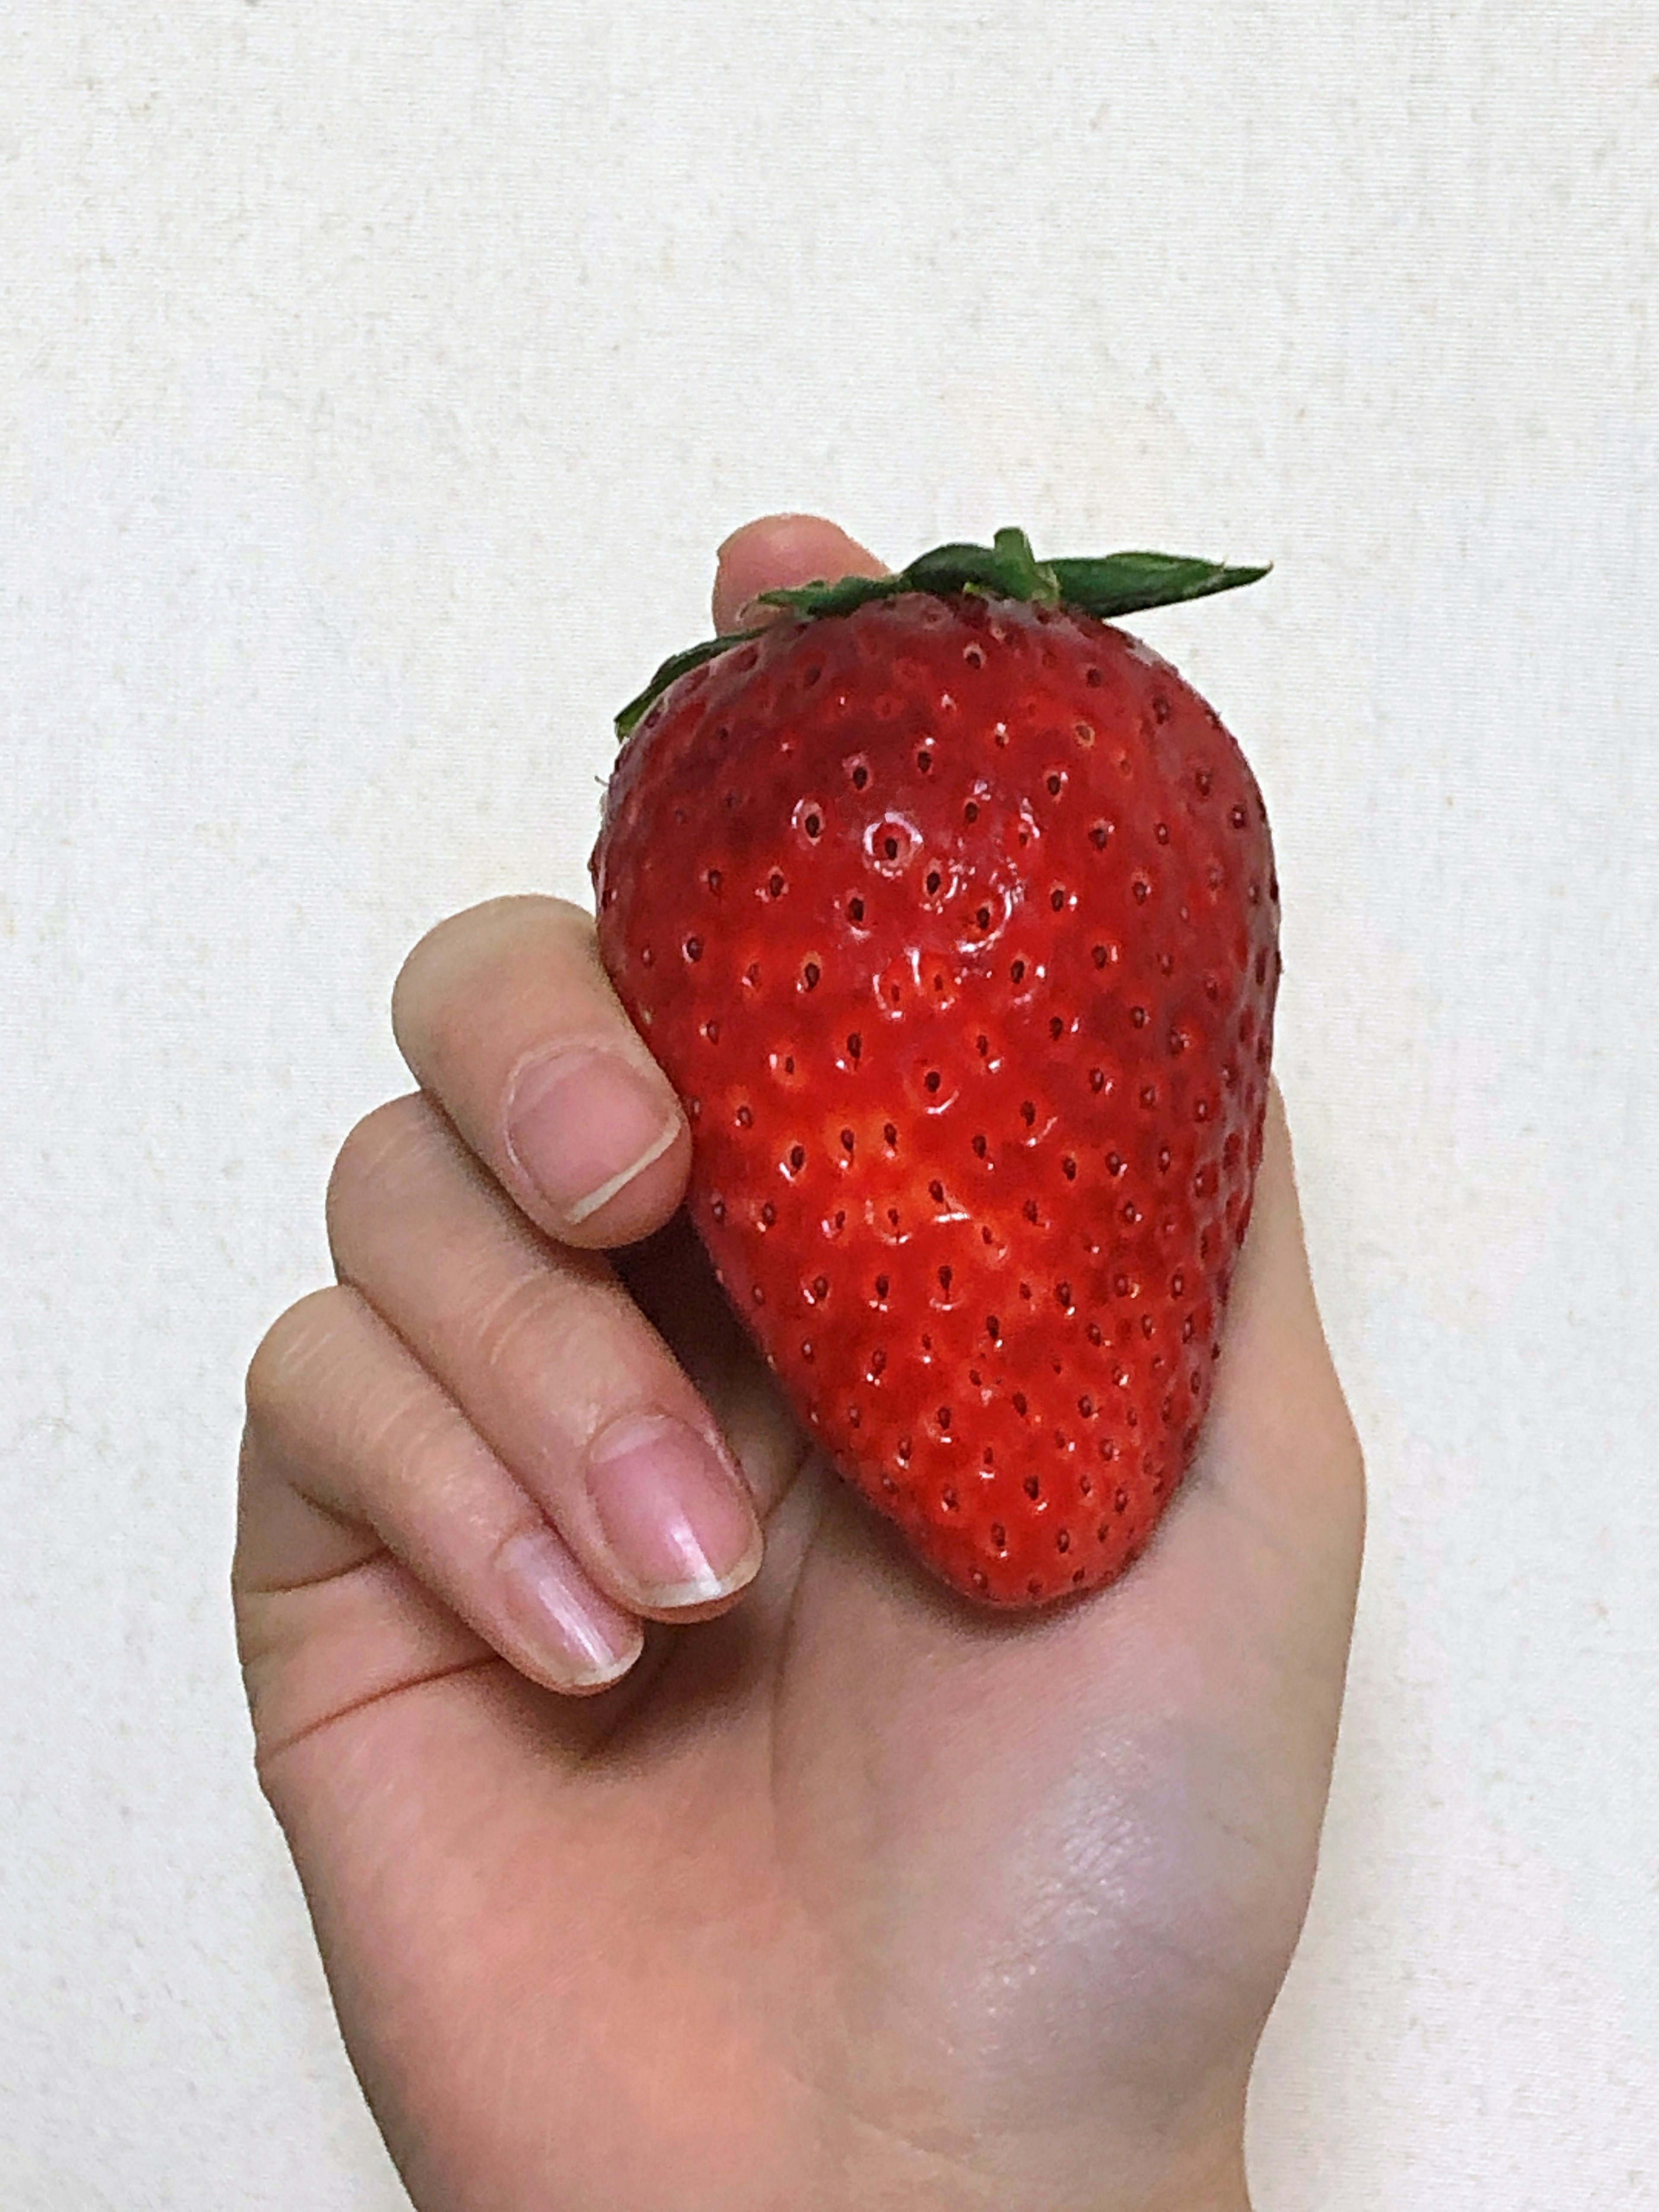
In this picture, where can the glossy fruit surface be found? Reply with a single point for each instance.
(953, 920)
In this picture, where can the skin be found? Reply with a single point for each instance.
(844, 1893)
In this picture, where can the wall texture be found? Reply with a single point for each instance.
(374, 381)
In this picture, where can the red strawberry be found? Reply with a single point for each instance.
(950, 912)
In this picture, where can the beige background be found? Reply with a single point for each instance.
(374, 380)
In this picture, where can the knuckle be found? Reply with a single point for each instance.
(442, 970)
(373, 1161)
(533, 1308)
(413, 1438)
(284, 1367)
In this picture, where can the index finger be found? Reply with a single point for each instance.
(509, 1022)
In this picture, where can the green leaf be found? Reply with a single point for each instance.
(676, 666)
(1112, 585)
(837, 598)
(1126, 583)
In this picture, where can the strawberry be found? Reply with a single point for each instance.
(950, 910)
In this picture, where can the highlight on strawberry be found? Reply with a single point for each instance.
(949, 908)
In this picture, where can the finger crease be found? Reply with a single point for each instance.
(521, 1304)
(372, 1558)
(272, 1752)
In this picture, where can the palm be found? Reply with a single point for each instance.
(852, 1865)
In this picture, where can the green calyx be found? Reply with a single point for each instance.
(1111, 585)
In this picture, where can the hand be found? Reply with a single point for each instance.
(846, 1895)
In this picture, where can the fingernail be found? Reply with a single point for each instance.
(582, 1124)
(678, 1519)
(581, 1637)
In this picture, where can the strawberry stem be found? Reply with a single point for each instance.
(1112, 585)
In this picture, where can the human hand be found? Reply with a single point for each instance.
(841, 1894)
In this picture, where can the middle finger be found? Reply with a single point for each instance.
(551, 1360)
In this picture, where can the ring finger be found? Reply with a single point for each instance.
(351, 1446)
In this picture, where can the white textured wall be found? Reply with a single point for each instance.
(373, 382)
